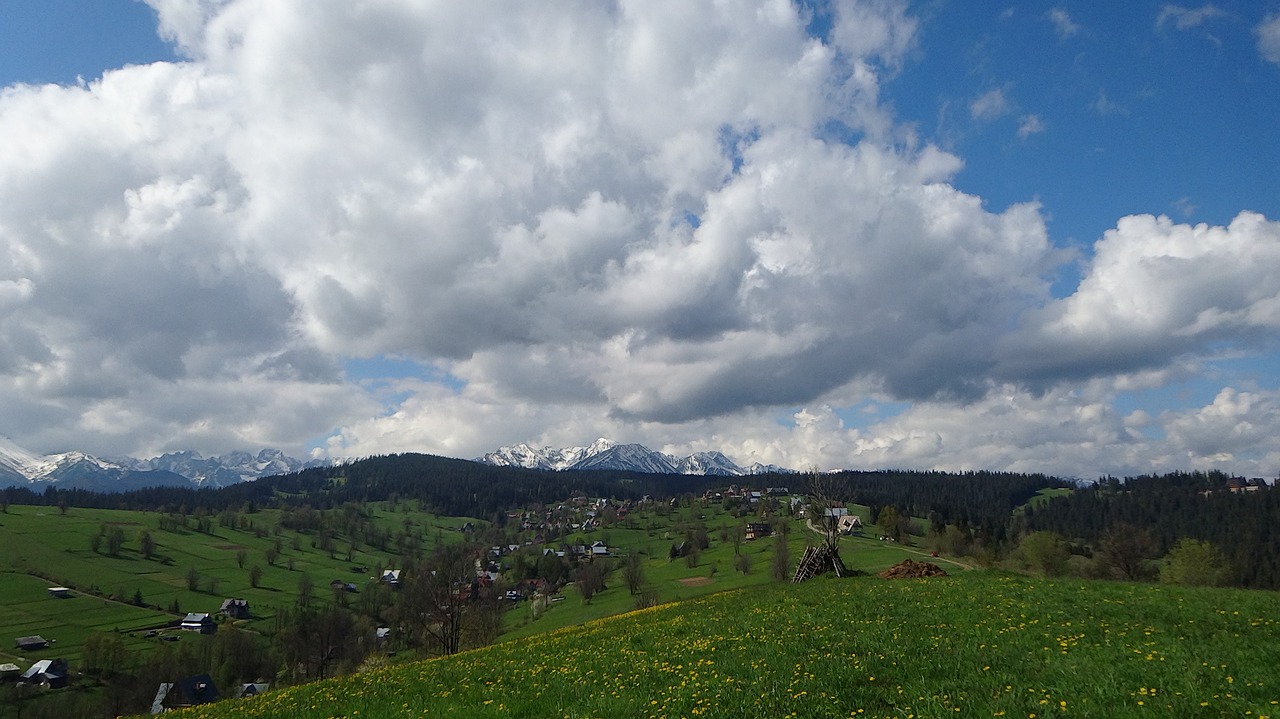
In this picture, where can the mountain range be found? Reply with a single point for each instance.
(77, 470)
(605, 454)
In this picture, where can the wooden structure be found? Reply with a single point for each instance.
(819, 560)
(32, 643)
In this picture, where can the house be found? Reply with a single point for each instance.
(60, 592)
(251, 689)
(235, 608)
(9, 671)
(392, 577)
(599, 549)
(757, 530)
(188, 692)
(50, 673)
(32, 643)
(198, 622)
(849, 524)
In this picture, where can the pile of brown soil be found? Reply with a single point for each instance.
(910, 569)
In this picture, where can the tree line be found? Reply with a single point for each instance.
(1242, 523)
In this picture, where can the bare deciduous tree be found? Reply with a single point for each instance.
(822, 501)
(434, 597)
(633, 573)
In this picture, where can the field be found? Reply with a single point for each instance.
(41, 547)
(972, 645)
(674, 580)
(28, 609)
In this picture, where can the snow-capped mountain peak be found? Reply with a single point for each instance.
(16, 460)
(607, 454)
(20, 467)
(17, 463)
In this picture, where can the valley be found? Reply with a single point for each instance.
(370, 567)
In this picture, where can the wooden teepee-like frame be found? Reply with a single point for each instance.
(818, 560)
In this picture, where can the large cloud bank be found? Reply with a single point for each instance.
(674, 223)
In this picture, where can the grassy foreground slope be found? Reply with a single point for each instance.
(978, 644)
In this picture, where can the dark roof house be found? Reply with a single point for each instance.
(31, 643)
(188, 692)
(235, 608)
(199, 622)
(51, 673)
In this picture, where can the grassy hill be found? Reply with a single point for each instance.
(42, 547)
(972, 645)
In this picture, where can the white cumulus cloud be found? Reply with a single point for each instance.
(675, 223)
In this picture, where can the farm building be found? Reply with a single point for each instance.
(235, 608)
(31, 643)
(188, 692)
(51, 673)
(251, 689)
(199, 622)
(59, 592)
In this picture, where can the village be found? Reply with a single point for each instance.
(529, 555)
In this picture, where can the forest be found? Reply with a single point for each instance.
(1240, 519)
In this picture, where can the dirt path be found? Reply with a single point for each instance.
(963, 565)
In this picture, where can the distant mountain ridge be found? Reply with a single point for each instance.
(606, 454)
(77, 470)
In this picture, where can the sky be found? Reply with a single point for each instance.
(859, 234)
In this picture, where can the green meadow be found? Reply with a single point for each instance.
(672, 580)
(41, 547)
(28, 609)
(972, 645)
(44, 547)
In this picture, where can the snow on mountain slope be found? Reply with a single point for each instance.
(629, 457)
(16, 462)
(20, 467)
(605, 454)
(709, 463)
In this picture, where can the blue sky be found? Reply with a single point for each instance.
(1048, 241)
(59, 41)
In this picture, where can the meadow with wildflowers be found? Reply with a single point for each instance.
(979, 644)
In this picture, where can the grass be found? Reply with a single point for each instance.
(674, 580)
(28, 609)
(1043, 496)
(41, 547)
(972, 645)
